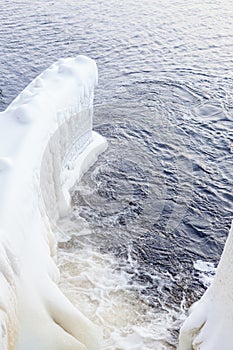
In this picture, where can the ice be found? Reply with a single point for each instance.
(206, 271)
(210, 323)
(46, 143)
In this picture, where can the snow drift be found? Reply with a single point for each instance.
(46, 143)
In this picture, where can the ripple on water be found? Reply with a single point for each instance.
(160, 198)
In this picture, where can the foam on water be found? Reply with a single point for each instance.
(102, 290)
(102, 287)
(206, 271)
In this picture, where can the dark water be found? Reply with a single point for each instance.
(160, 197)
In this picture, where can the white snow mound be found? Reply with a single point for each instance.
(46, 143)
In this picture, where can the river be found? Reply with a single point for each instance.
(150, 218)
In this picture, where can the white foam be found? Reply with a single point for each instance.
(206, 271)
(96, 285)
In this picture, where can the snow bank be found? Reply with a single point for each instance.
(210, 323)
(46, 142)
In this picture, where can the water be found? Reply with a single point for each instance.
(153, 213)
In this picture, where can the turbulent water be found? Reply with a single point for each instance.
(150, 218)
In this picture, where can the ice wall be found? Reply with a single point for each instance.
(46, 142)
(210, 323)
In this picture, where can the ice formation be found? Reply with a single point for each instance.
(46, 143)
(210, 323)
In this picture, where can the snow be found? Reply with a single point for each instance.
(206, 271)
(46, 143)
(210, 323)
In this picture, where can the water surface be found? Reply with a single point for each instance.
(159, 199)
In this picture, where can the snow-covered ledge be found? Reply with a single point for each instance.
(46, 142)
(210, 323)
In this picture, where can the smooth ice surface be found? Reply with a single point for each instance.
(210, 323)
(46, 143)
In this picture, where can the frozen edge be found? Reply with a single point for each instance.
(41, 132)
(210, 322)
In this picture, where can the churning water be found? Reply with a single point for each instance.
(150, 218)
